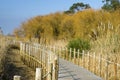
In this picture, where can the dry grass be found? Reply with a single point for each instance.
(11, 65)
(108, 44)
(108, 41)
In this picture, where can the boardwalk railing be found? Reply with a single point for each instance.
(102, 65)
(40, 58)
(45, 60)
(37, 57)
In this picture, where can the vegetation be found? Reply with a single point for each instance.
(84, 28)
(88, 24)
(62, 26)
(77, 7)
(11, 64)
(79, 44)
(108, 41)
(111, 5)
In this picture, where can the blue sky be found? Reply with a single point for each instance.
(14, 12)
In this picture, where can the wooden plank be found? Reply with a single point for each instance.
(38, 75)
(16, 77)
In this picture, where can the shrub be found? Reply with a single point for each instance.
(78, 44)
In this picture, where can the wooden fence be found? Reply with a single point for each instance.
(101, 65)
(40, 58)
(44, 60)
(3, 40)
(37, 57)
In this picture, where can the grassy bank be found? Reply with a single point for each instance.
(11, 64)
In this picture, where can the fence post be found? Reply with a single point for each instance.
(100, 56)
(88, 61)
(66, 51)
(54, 73)
(50, 66)
(21, 49)
(70, 55)
(83, 59)
(115, 69)
(38, 75)
(29, 51)
(25, 47)
(74, 55)
(94, 62)
(78, 56)
(24, 51)
(64, 55)
(20, 46)
(16, 77)
(106, 67)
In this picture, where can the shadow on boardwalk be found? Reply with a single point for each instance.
(69, 71)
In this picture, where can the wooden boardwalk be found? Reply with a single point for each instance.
(69, 71)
